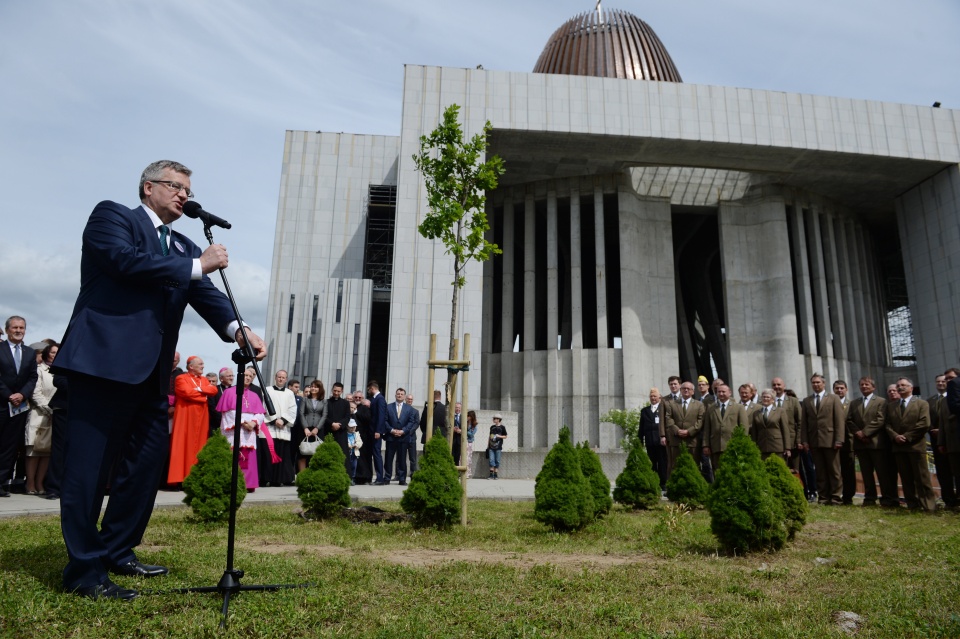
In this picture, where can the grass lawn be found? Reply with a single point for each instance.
(644, 574)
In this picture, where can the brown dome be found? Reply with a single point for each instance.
(611, 44)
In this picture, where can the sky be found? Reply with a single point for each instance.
(91, 91)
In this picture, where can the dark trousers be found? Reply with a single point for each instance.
(51, 483)
(827, 462)
(11, 441)
(848, 474)
(376, 455)
(808, 473)
(917, 488)
(869, 474)
(954, 460)
(109, 420)
(396, 451)
(658, 457)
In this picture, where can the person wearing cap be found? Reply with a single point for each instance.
(498, 433)
(354, 443)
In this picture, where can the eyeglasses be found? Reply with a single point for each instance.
(176, 186)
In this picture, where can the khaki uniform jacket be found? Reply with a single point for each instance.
(870, 422)
(717, 431)
(793, 420)
(690, 420)
(823, 428)
(914, 423)
(769, 434)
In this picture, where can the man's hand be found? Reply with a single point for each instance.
(900, 439)
(259, 347)
(213, 257)
(336, 425)
(16, 399)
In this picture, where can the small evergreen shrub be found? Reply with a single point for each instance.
(434, 494)
(324, 486)
(562, 495)
(789, 491)
(638, 486)
(599, 484)
(686, 485)
(207, 487)
(744, 513)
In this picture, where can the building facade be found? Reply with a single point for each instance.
(649, 227)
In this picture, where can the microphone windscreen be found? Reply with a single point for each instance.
(192, 209)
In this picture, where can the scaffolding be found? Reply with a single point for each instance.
(378, 249)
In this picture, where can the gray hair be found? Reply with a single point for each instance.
(6, 325)
(154, 172)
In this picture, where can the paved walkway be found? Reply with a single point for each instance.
(506, 489)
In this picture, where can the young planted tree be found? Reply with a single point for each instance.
(638, 485)
(686, 484)
(628, 420)
(789, 491)
(324, 486)
(562, 496)
(207, 487)
(599, 484)
(457, 180)
(433, 497)
(744, 513)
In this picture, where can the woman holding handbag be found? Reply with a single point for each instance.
(38, 435)
(314, 412)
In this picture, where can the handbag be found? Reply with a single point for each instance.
(309, 445)
(43, 441)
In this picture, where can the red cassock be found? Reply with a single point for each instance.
(191, 424)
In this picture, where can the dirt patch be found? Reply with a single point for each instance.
(421, 557)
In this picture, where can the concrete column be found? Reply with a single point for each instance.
(849, 295)
(758, 291)
(858, 319)
(507, 371)
(531, 373)
(647, 295)
(832, 259)
(605, 365)
(807, 336)
(576, 272)
(818, 284)
(554, 411)
(930, 242)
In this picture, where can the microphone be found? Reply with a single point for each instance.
(194, 210)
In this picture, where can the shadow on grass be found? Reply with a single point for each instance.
(43, 562)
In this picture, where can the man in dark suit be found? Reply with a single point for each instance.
(412, 439)
(401, 422)
(940, 461)
(653, 423)
(18, 378)
(439, 418)
(907, 423)
(823, 434)
(948, 441)
(136, 279)
(378, 426)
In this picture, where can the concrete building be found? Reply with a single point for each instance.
(649, 228)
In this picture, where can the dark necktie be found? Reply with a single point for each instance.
(816, 403)
(164, 232)
(779, 402)
(684, 407)
(766, 414)
(903, 405)
(723, 410)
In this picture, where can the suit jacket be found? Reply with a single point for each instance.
(914, 423)
(870, 421)
(935, 401)
(314, 417)
(690, 420)
(949, 431)
(439, 421)
(378, 414)
(793, 419)
(127, 316)
(407, 421)
(823, 428)
(13, 382)
(770, 435)
(653, 423)
(953, 396)
(718, 430)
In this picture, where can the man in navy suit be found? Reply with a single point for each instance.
(378, 426)
(136, 278)
(18, 377)
(401, 423)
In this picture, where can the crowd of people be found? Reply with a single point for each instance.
(821, 437)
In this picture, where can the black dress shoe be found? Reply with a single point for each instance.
(53, 496)
(107, 590)
(136, 569)
(401, 483)
(4, 493)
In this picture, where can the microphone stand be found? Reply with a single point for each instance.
(229, 583)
